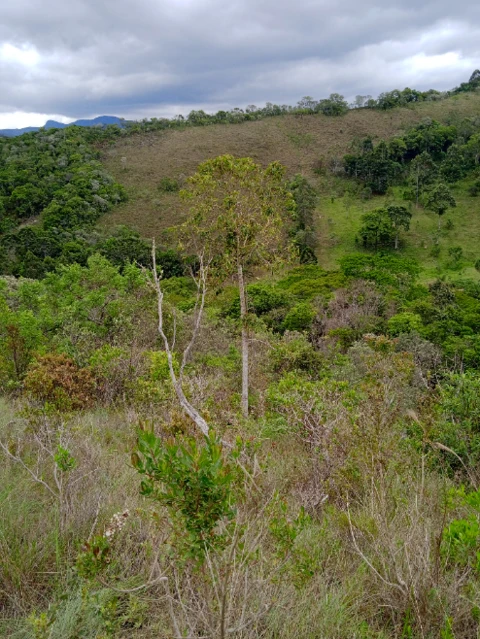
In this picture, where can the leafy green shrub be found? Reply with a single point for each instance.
(168, 185)
(193, 482)
(180, 291)
(459, 424)
(461, 537)
(294, 353)
(382, 269)
(299, 317)
(262, 299)
(404, 323)
(461, 541)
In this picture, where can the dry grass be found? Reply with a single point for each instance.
(295, 141)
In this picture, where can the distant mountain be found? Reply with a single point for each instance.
(102, 120)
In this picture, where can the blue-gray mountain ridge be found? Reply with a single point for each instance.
(102, 120)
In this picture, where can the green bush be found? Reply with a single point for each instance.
(169, 185)
(194, 482)
(299, 318)
(404, 323)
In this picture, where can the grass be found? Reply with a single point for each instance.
(338, 221)
(300, 143)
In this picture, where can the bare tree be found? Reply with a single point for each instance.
(200, 280)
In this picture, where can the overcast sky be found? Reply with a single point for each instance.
(144, 58)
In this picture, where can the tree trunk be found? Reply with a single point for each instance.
(439, 221)
(243, 319)
(396, 241)
(190, 410)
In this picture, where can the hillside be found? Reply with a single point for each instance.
(237, 441)
(299, 142)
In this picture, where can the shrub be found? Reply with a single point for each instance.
(57, 381)
(455, 253)
(168, 185)
(299, 318)
(404, 323)
(193, 482)
(295, 353)
(459, 424)
(474, 190)
(262, 299)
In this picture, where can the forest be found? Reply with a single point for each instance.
(259, 418)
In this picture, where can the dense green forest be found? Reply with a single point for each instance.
(262, 419)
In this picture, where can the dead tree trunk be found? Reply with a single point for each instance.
(201, 283)
(243, 319)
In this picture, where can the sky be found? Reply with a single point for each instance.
(154, 58)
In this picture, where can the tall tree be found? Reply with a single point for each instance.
(238, 212)
(439, 200)
(423, 171)
(400, 218)
(377, 228)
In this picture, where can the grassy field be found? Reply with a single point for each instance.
(301, 143)
(338, 222)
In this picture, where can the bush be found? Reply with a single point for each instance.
(299, 318)
(193, 482)
(474, 190)
(404, 323)
(57, 381)
(459, 424)
(168, 185)
(295, 353)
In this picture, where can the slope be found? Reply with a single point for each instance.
(305, 144)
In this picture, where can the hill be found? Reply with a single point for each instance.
(101, 120)
(243, 447)
(306, 144)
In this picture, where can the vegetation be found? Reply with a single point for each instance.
(269, 426)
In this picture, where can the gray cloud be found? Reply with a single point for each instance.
(156, 57)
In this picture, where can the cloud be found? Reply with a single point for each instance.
(158, 57)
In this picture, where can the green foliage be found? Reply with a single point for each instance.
(459, 425)
(305, 198)
(376, 168)
(293, 352)
(286, 531)
(64, 460)
(460, 542)
(193, 482)
(455, 253)
(239, 212)
(474, 190)
(54, 175)
(169, 185)
(94, 557)
(310, 281)
(262, 299)
(404, 323)
(461, 537)
(334, 105)
(377, 229)
(439, 200)
(299, 317)
(382, 269)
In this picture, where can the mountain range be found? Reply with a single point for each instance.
(102, 120)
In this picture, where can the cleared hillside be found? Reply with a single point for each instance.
(299, 142)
